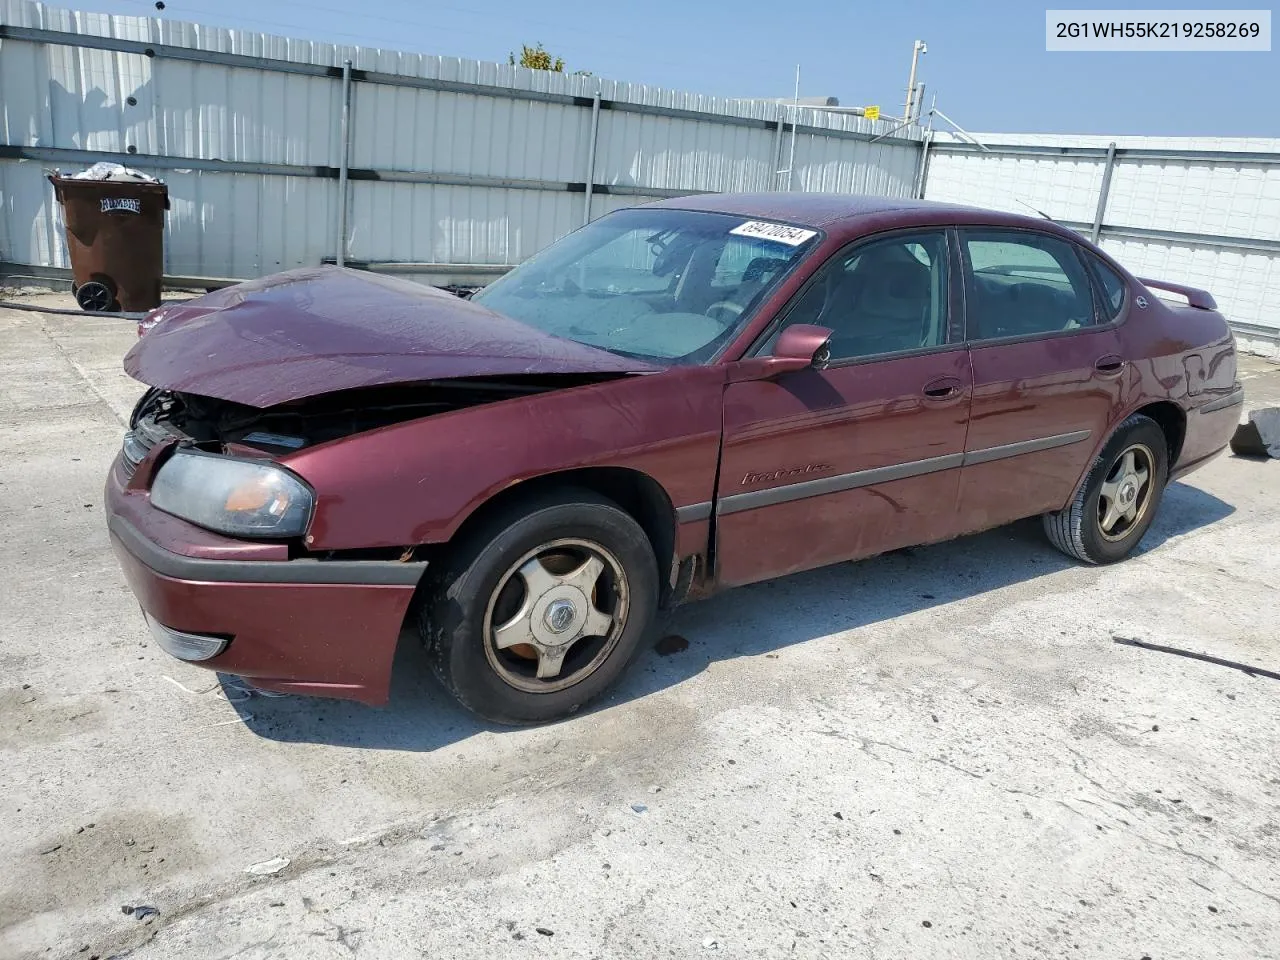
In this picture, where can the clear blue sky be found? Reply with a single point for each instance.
(986, 61)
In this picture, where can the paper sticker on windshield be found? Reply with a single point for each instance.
(778, 232)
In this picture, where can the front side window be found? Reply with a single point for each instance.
(663, 285)
(1023, 283)
(879, 297)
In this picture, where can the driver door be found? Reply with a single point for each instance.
(864, 456)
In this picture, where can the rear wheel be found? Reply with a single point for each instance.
(1117, 502)
(542, 608)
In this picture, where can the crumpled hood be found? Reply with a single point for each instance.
(320, 330)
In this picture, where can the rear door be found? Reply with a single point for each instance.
(1048, 374)
(862, 456)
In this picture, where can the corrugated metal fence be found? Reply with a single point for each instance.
(452, 161)
(458, 167)
(1200, 212)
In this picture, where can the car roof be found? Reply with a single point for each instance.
(843, 210)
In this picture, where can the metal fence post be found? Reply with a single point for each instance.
(1103, 192)
(923, 171)
(791, 162)
(345, 145)
(777, 153)
(591, 156)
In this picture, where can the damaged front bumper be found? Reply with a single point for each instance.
(318, 627)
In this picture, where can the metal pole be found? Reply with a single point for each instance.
(1103, 192)
(591, 157)
(795, 119)
(923, 170)
(345, 139)
(919, 102)
(791, 160)
(777, 150)
(962, 131)
(917, 48)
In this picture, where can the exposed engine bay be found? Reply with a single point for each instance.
(216, 424)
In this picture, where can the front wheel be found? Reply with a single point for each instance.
(539, 610)
(1117, 502)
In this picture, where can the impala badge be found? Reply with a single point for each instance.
(786, 474)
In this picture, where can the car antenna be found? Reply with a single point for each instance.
(1035, 210)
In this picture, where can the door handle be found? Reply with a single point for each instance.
(1109, 365)
(944, 388)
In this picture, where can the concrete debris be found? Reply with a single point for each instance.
(1260, 436)
(267, 867)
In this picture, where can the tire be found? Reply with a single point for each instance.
(1085, 529)
(483, 593)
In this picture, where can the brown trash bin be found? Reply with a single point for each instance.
(115, 235)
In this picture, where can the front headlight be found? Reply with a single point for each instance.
(243, 498)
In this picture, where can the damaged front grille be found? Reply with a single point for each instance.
(139, 441)
(147, 426)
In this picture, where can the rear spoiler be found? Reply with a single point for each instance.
(1197, 298)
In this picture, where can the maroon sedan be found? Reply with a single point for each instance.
(677, 398)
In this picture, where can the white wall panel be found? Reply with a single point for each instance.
(245, 224)
(428, 223)
(678, 154)
(1239, 200)
(1212, 200)
(30, 224)
(824, 164)
(1246, 285)
(1064, 188)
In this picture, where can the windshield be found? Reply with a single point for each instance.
(665, 286)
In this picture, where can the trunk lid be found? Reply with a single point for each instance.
(315, 331)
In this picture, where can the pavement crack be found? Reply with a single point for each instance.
(957, 768)
(1077, 768)
(863, 744)
(634, 907)
(82, 374)
(341, 933)
(268, 943)
(1173, 848)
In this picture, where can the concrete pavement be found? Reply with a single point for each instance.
(937, 753)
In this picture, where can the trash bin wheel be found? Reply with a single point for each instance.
(96, 297)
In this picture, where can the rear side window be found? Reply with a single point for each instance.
(1113, 287)
(1023, 283)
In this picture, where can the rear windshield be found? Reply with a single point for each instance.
(665, 286)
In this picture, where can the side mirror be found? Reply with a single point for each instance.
(798, 347)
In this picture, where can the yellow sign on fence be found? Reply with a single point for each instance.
(871, 113)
